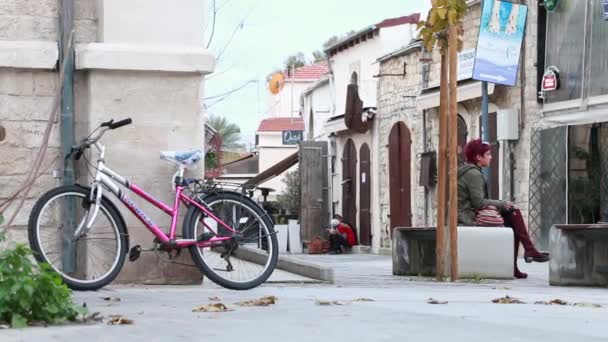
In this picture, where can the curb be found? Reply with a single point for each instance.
(305, 268)
(291, 264)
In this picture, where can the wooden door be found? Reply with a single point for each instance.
(349, 183)
(365, 187)
(399, 150)
(314, 214)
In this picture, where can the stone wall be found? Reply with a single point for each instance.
(396, 102)
(393, 107)
(159, 86)
(27, 96)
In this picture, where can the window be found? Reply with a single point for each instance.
(584, 174)
(565, 49)
(598, 63)
(576, 42)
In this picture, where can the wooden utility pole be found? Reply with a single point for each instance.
(442, 28)
(452, 152)
(441, 172)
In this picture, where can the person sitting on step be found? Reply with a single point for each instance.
(341, 237)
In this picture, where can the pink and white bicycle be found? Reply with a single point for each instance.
(81, 234)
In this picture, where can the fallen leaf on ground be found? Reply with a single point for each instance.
(111, 299)
(119, 320)
(362, 300)
(338, 302)
(507, 300)
(264, 301)
(587, 305)
(435, 301)
(330, 302)
(215, 299)
(552, 302)
(215, 307)
(95, 316)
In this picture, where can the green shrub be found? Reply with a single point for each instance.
(32, 293)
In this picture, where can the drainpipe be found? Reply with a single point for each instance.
(66, 26)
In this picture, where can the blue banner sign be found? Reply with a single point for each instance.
(501, 34)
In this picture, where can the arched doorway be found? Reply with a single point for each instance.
(399, 160)
(365, 191)
(349, 185)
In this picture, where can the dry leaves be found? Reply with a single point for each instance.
(587, 305)
(94, 317)
(552, 302)
(264, 301)
(323, 302)
(111, 299)
(563, 302)
(215, 299)
(119, 320)
(507, 300)
(362, 300)
(215, 307)
(435, 301)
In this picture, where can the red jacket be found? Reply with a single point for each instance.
(348, 233)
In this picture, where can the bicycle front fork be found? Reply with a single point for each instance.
(94, 201)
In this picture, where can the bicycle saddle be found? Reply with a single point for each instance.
(185, 158)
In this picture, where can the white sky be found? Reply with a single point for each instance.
(272, 30)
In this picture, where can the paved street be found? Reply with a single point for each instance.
(398, 311)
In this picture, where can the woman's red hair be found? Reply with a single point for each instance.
(475, 148)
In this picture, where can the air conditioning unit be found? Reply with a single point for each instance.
(507, 124)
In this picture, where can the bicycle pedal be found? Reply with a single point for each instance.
(206, 236)
(134, 253)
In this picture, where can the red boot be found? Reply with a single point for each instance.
(516, 272)
(516, 221)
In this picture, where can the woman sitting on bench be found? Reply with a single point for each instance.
(473, 197)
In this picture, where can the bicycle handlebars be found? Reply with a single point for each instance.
(86, 143)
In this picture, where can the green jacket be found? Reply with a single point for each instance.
(473, 194)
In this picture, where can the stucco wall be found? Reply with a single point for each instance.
(317, 110)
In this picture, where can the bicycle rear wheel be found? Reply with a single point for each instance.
(243, 262)
(98, 256)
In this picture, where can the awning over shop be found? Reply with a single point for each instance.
(576, 118)
(469, 89)
(274, 170)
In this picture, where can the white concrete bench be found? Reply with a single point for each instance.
(483, 252)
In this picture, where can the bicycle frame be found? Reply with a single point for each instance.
(106, 177)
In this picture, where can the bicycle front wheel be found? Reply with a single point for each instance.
(89, 261)
(243, 262)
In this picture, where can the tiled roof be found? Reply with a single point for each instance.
(281, 124)
(408, 19)
(310, 72)
(371, 31)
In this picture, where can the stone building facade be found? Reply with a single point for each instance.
(414, 99)
(127, 65)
